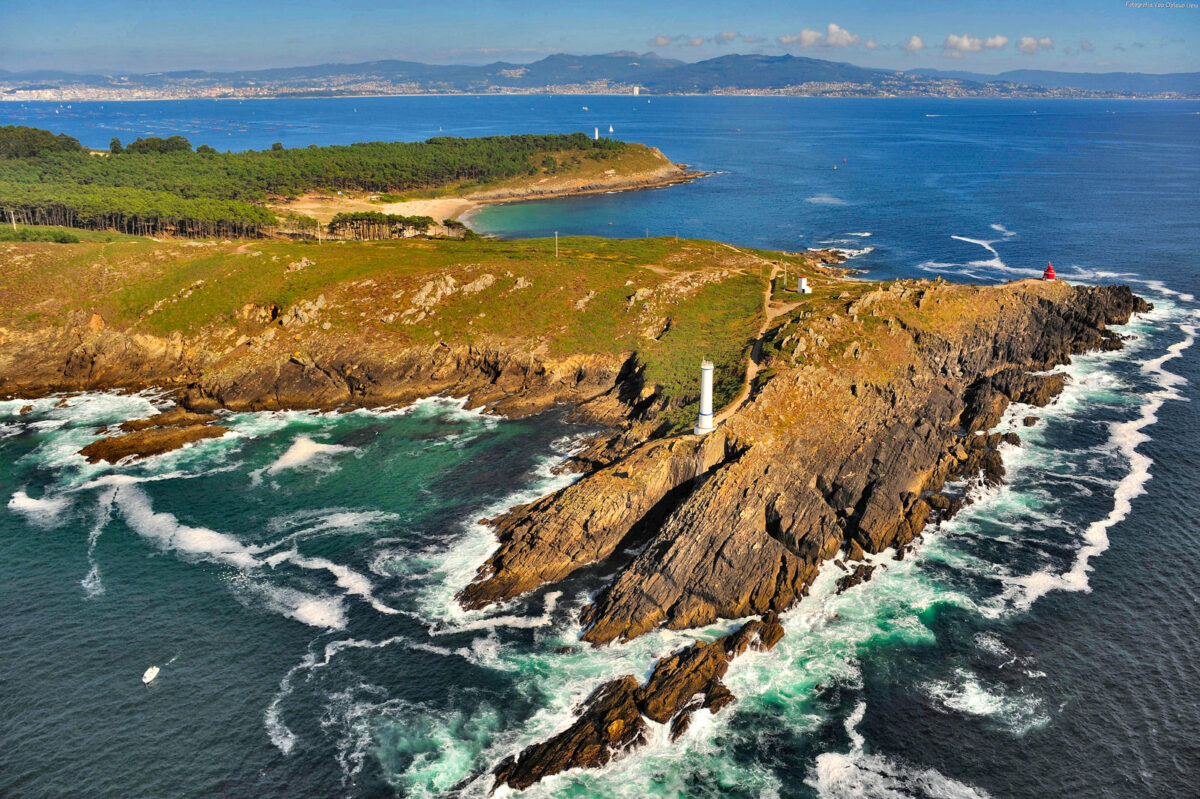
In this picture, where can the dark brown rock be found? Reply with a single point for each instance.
(1029, 421)
(144, 443)
(862, 572)
(176, 417)
(609, 724)
(696, 669)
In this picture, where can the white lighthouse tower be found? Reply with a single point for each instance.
(705, 423)
(802, 285)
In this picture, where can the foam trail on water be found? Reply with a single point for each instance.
(166, 531)
(1126, 437)
(857, 775)
(347, 579)
(92, 584)
(200, 542)
(282, 737)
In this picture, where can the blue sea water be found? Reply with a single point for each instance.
(294, 579)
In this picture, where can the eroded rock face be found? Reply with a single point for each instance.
(848, 469)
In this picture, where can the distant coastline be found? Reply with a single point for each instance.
(85, 98)
(624, 73)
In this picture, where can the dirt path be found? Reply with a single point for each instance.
(771, 311)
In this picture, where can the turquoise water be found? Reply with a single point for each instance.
(294, 579)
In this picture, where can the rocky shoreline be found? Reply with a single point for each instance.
(868, 410)
(738, 523)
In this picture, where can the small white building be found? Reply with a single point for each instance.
(802, 285)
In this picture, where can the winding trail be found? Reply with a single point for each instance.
(771, 311)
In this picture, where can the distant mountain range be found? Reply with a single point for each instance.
(596, 74)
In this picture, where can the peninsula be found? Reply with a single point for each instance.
(849, 417)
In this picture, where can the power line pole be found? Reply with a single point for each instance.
(556, 245)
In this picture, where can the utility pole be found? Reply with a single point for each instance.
(556, 245)
(13, 217)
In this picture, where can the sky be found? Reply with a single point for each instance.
(976, 35)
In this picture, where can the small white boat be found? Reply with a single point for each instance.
(150, 674)
(610, 130)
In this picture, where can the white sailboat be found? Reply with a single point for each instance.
(610, 130)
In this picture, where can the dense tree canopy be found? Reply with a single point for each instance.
(18, 141)
(162, 186)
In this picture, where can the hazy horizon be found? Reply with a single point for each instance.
(220, 36)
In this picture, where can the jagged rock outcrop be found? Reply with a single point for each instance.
(612, 720)
(827, 458)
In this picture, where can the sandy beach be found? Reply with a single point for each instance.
(323, 207)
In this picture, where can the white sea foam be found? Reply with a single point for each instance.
(347, 579)
(42, 511)
(857, 775)
(1125, 438)
(277, 730)
(167, 531)
(849, 253)
(316, 610)
(965, 693)
(1002, 230)
(490, 622)
(453, 569)
(825, 199)
(863, 776)
(306, 452)
(861, 235)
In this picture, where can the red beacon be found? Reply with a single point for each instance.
(1049, 273)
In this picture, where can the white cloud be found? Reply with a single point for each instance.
(660, 41)
(870, 44)
(996, 42)
(963, 44)
(840, 37)
(805, 38)
(914, 44)
(724, 37)
(1086, 46)
(835, 36)
(1030, 45)
(695, 41)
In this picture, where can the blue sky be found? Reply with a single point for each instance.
(976, 35)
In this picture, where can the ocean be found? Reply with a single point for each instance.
(294, 580)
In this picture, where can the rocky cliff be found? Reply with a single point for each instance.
(863, 417)
(840, 454)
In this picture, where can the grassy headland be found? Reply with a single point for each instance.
(667, 302)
